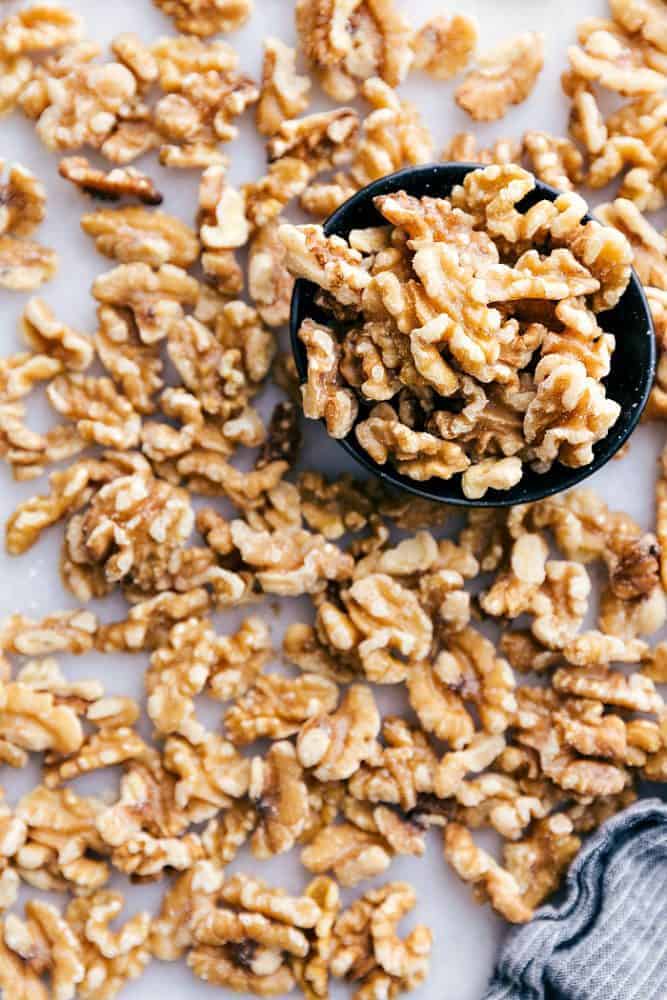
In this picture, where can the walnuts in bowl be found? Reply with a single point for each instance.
(461, 335)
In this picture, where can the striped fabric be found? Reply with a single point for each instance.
(607, 937)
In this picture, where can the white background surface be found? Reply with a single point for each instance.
(466, 936)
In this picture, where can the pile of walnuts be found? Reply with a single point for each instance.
(465, 348)
(171, 489)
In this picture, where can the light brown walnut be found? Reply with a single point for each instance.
(283, 94)
(399, 773)
(393, 135)
(112, 185)
(277, 707)
(111, 958)
(506, 75)
(323, 395)
(134, 233)
(279, 792)
(617, 61)
(444, 45)
(24, 264)
(347, 44)
(269, 282)
(367, 949)
(348, 852)
(155, 298)
(468, 671)
(206, 17)
(334, 745)
(493, 882)
(40, 28)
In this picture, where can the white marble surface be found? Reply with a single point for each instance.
(466, 936)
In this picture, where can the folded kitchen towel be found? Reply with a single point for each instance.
(606, 939)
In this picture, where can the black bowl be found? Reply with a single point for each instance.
(632, 366)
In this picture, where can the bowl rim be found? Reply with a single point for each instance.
(389, 476)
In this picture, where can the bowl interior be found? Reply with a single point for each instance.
(628, 383)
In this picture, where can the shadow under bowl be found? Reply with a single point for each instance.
(628, 383)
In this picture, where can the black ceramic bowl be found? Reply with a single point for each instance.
(629, 381)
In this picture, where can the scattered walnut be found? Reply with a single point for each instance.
(474, 865)
(366, 947)
(444, 45)
(335, 745)
(121, 182)
(111, 958)
(555, 160)
(155, 298)
(539, 861)
(613, 59)
(47, 335)
(101, 414)
(278, 706)
(206, 17)
(506, 75)
(283, 94)
(22, 201)
(468, 671)
(648, 246)
(269, 282)
(347, 43)
(204, 93)
(350, 853)
(134, 234)
(16, 72)
(393, 136)
(463, 147)
(25, 265)
(278, 790)
(130, 529)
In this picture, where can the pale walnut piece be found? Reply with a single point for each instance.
(555, 160)
(647, 17)
(334, 746)
(467, 672)
(25, 265)
(444, 45)
(348, 852)
(136, 368)
(270, 283)
(112, 185)
(111, 958)
(155, 297)
(16, 72)
(463, 147)
(22, 201)
(245, 937)
(206, 17)
(348, 42)
(283, 93)
(392, 136)
(609, 56)
(101, 414)
(47, 335)
(134, 233)
(278, 790)
(204, 93)
(506, 75)
(277, 707)
(39, 28)
(91, 104)
(474, 865)
(367, 950)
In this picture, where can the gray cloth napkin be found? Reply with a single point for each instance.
(607, 938)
